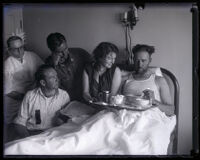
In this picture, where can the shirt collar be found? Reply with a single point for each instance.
(42, 94)
(19, 59)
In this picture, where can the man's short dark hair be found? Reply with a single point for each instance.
(39, 75)
(143, 47)
(13, 38)
(55, 40)
(103, 49)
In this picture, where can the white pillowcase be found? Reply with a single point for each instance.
(156, 70)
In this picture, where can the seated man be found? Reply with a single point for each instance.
(40, 107)
(69, 64)
(143, 80)
(19, 70)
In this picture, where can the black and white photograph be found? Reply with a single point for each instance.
(100, 79)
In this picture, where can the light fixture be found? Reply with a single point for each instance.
(129, 20)
(130, 17)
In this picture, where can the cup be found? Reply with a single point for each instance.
(104, 96)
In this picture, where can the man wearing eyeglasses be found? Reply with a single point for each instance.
(69, 64)
(19, 70)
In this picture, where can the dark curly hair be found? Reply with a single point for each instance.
(55, 40)
(103, 49)
(143, 47)
(39, 75)
(13, 38)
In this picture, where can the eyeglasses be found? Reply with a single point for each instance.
(16, 49)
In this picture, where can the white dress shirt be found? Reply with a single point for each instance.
(48, 106)
(20, 76)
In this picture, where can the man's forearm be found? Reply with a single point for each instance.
(168, 109)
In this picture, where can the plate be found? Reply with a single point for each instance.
(104, 105)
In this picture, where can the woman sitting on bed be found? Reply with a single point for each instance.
(102, 75)
(142, 78)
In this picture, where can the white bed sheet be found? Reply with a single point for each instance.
(105, 133)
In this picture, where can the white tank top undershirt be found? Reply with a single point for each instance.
(135, 87)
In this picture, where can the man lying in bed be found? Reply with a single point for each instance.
(40, 107)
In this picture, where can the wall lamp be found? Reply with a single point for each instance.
(130, 17)
(129, 20)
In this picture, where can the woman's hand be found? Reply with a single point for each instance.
(87, 97)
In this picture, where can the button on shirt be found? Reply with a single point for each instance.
(48, 106)
(20, 76)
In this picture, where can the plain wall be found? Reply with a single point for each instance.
(166, 26)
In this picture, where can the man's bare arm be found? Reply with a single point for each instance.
(166, 104)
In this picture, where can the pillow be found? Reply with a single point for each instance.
(156, 70)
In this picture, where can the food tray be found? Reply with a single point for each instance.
(104, 105)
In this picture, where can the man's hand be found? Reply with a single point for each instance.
(149, 94)
(87, 97)
(56, 58)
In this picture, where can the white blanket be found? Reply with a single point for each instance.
(106, 133)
